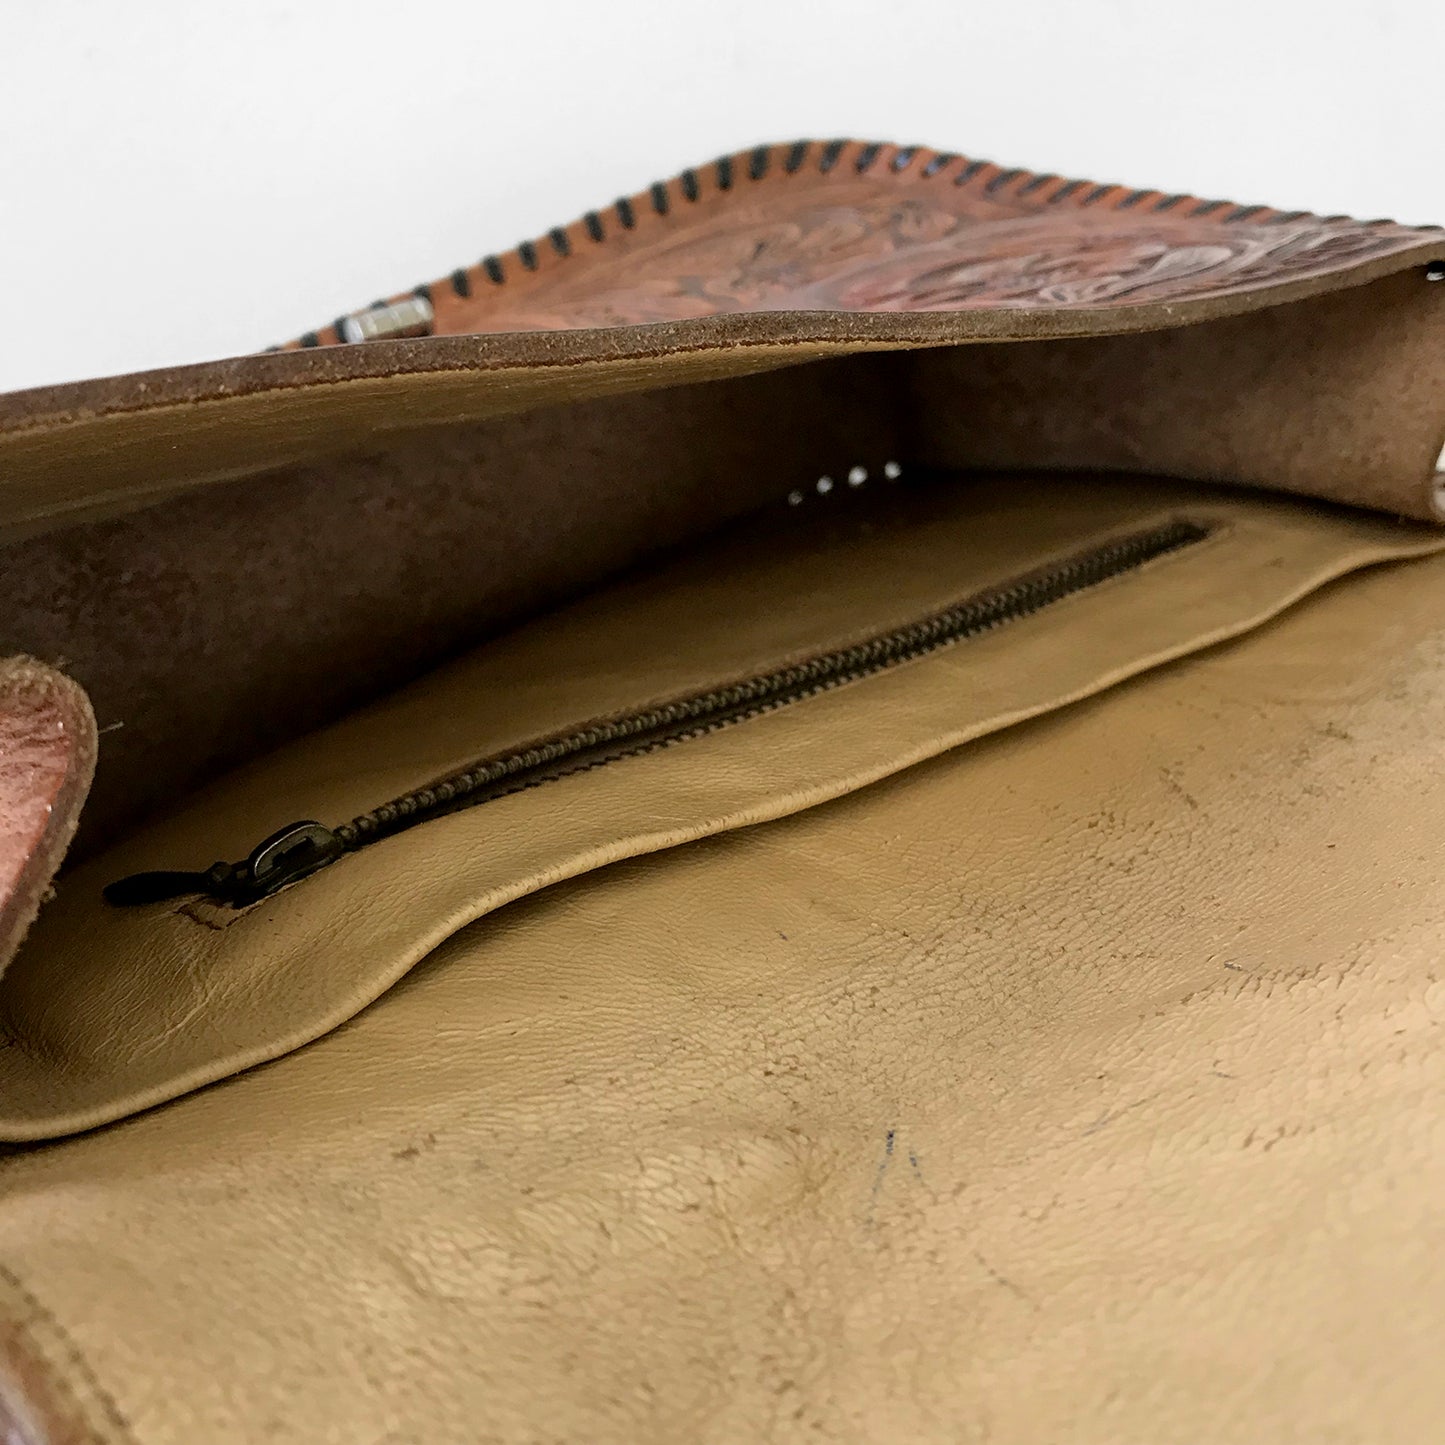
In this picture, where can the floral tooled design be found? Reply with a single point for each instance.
(861, 228)
(907, 256)
(1024, 264)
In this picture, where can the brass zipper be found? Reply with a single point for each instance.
(304, 848)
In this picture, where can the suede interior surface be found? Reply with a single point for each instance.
(71, 453)
(216, 626)
(287, 599)
(1342, 398)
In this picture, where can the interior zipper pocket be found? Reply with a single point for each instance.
(304, 848)
(108, 1010)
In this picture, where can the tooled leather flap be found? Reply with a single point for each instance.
(47, 756)
(786, 253)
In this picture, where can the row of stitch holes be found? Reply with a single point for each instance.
(854, 478)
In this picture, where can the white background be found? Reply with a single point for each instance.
(184, 179)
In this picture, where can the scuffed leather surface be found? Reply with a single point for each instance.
(1082, 1084)
(99, 448)
(1343, 399)
(47, 755)
(110, 1010)
(335, 584)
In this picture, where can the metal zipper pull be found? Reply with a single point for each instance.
(295, 852)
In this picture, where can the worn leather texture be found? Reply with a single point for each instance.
(1033, 1037)
(47, 757)
(1080, 1084)
(336, 581)
(161, 999)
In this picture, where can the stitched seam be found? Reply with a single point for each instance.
(64, 1371)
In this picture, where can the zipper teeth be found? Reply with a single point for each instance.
(706, 712)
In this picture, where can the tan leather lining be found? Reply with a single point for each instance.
(955, 1054)
(48, 1393)
(159, 1000)
(1082, 1084)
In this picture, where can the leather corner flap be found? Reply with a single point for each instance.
(1067, 587)
(47, 757)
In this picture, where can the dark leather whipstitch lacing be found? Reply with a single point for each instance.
(668, 198)
(825, 155)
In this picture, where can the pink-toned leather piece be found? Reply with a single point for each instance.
(47, 757)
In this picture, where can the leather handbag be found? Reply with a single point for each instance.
(811, 807)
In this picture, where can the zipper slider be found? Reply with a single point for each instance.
(295, 852)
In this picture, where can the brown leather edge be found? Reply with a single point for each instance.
(70, 404)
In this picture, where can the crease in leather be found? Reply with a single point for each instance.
(49, 1394)
(113, 1011)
